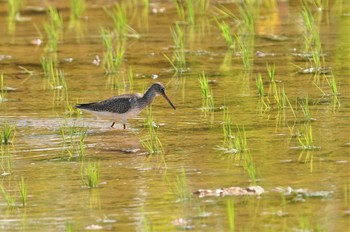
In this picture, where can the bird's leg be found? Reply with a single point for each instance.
(112, 125)
(124, 126)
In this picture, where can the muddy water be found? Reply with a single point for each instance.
(304, 189)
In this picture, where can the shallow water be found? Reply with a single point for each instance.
(136, 191)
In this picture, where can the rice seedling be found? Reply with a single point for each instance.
(260, 86)
(179, 57)
(151, 143)
(56, 21)
(244, 47)
(190, 6)
(306, 110)
(53, 29)
(23, 191)
(180, 9)
(306, 139)
(13, 11)
(77, 11)
(311, 35)
(271, 70)
(233, 143)
(207, 94)
(249, 166)
(280, 97)
(334, 92)
(230, 206)
(179, 186)
(118, 16)
(8, 134)
(226, 33)
(246, 18)
(10, 200)
(114, 53)
(92, 174)
(48, 66)
(73, 138)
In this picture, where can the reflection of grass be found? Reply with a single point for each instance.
(10, 200)
(231, 214)
(23, 191)
(2, 88)
(179, 187)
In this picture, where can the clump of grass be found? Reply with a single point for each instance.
(306, 110)
(53, 29)
(264, 103)
(114, 53)
(23, 191)
(73, 140)
(14, 7)
(271, 70)
(118, 16)
(77, 11)
(92, 174)
(7, 134)
(281, 98)
(230, 206)
(260, 86)
(245, 50)
(207, 94)
(334, 92)
(233, 142)
(226, 33)
(179, 56)
(312, 42)
(186, 10)
(306, 139)
(249, 166)
(152, 143)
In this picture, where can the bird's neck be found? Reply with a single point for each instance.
(148, 97)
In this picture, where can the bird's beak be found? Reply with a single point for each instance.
(166, 97)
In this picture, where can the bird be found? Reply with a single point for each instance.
(125, 106)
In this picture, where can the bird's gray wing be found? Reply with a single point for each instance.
(119, 104)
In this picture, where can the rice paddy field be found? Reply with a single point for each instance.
(259, 140)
